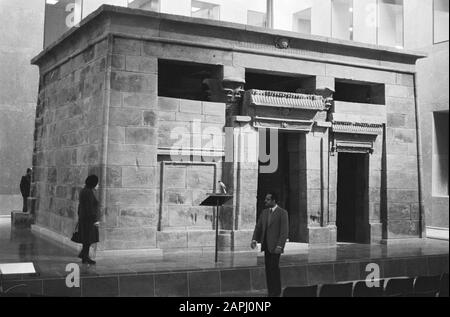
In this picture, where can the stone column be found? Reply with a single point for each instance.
(402, 210)
(375, 191)
(241, 170)
(233, 81)
(241, 164)
(314, 220)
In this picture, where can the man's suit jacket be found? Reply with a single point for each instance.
(277, 230)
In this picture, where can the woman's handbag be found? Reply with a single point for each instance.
(76, 235)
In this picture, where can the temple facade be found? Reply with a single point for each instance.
(162, 107)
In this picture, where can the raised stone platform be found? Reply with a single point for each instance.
(196, 274)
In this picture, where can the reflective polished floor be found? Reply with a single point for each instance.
(50, 258)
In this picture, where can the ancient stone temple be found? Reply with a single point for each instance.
(162, 107)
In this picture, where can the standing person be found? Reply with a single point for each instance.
(272, 231)
(25, 185)
(88, 215)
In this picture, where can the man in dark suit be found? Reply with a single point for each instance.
(25, 185)
(272, 231)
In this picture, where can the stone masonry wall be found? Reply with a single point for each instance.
(130, 215)
(403, 217)
(68, 136)
(138, 126)
(188, 124)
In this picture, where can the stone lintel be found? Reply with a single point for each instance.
(283, 124)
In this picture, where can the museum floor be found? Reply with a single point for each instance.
(196, 274)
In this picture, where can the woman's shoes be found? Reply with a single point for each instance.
(88, 261)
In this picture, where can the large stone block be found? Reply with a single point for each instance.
(168, 104)
(95, 135)
(133, 82)
(231, 73)
(125, 117)
(130, 197)
(140, 100)
(185, 116)
(403, 229)
(403, 180)
(131, 155)
(396, 120)
(405, 80)
(174, 133)
(190, 54)
(191, 106)
(116, 134)
(61, 191)
(127, 46)
(174, 177)
(401, 163)
(178, 196)
(319, 235)
(127, 222)
(200, 177)
(201, 239)
(402, 196)
(399, 211)
(399, 91)
(75, 138)
(115, 99)
(145, 136)
(213, 109)
(114, 176)
(117, 62)
(89, 155)
(214, 119)
(131, 234)
(166, 116)
(399, 105)
(403, 136)
(172, 239)
(186, 216)
(141, 64)
(374, 211)
(142, 177)
(242, 237)
(246, 214)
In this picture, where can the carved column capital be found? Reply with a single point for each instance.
(234, 90)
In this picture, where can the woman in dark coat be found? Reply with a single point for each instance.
(88, 218)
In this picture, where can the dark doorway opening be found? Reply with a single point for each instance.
(277, 182)
(352, 198)
(286, 182)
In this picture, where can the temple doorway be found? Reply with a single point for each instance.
(285, 181)
(352, 198)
